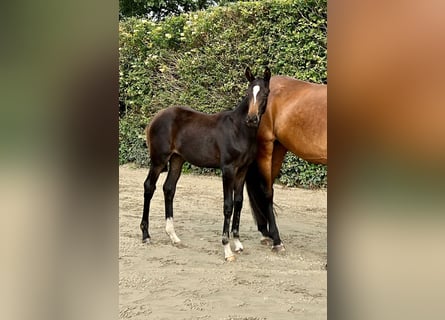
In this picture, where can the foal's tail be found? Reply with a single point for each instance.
(256, 186)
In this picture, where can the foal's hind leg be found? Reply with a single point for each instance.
(149, 189)
(174, 172)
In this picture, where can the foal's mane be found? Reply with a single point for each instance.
(243, 102)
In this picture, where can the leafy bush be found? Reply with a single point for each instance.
(132, 144)
(198, 59)
(159, 9)
(296, 172)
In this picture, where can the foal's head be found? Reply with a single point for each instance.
(257, 93)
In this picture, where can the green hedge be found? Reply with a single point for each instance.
(198, 59)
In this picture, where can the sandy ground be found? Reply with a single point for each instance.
(160, 281)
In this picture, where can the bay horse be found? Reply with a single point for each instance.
(295, 120)
(225, 140)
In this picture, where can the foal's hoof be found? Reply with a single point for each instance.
(239, 250)
(179, 245)
(278, 248)
(266, 241)
(238, 245)
(230, 259)
(146, 240)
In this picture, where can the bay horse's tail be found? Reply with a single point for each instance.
(256, 186)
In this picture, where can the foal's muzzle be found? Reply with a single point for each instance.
(253, 121)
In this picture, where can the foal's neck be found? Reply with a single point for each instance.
(239, 115)
(242, 108)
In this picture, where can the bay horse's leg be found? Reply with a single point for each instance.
(237, 206)
(269, 166)
(228, 185)
(264, 160)
(149, 189)
(169, 188)
(279, 151)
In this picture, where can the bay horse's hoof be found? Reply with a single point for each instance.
(179, 245)
(230, 259)
(278, 248)
(146, 240)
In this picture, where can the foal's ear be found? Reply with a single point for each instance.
(249, 75)
(266, 74)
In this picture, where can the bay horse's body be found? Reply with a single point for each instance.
(226, 140)
(295, 120)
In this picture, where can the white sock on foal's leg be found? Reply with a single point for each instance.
(170, 229)
(228, 254)
(238, 245)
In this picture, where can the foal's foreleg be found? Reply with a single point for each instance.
(237, 206)
(228, 184)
